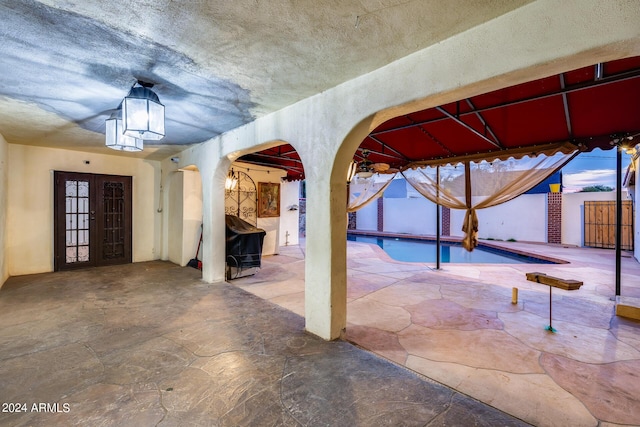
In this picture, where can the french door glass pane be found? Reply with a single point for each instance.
(71, 188)
(72, 255)
(77, 221)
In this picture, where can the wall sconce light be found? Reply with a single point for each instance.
(231, 182)
(625, 143)
(114, 138)
(142, 113)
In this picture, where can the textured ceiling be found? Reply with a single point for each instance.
(216, 65)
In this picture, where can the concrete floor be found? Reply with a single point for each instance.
(458, 326)
(150, 344)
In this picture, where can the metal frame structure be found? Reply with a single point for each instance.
(242, 201)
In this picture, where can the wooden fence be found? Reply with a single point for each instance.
(600, 224)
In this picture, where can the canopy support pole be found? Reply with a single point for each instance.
(618, 217)
(438, 218)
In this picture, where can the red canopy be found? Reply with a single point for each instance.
(588, 107)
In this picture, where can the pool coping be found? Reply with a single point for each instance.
(458, 240)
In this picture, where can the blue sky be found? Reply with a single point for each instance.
(595, 168)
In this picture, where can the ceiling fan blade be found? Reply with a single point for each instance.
(380, 167)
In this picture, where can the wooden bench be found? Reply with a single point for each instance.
(567, 285)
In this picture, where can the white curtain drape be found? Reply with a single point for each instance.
(363, 191)
(477, 185)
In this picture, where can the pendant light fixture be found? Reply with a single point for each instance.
(114, 137)
(142, 113)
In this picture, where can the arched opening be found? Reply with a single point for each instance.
(264, 190)
(428, 320)
(589, 107)
(413, 311)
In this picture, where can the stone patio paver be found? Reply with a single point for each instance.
(461, 329)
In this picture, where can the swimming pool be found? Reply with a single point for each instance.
(414, 250)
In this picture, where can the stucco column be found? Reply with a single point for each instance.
(326, 267)
(213, 240)
(4, 191)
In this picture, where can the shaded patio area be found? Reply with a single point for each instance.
(151, 344)
(458, 326)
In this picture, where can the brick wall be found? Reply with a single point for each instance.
(554, 218)
(446, 222)
(353, 218)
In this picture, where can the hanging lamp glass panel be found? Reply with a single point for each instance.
(115, 139)
(143, 114)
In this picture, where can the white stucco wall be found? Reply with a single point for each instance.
(523, 218)
(411, 215)
(30, 203)
(183, 215)
(4, 177)
(573, 214)
(289, 219)
(175, 187)
(191, 214)
(367, 217)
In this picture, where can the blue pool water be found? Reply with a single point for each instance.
(413, 250)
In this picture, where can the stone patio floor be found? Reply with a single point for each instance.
(151, 344)
(458, 326)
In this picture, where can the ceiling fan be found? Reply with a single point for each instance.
(366, 168)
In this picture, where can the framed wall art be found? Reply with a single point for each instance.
(268, 199)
